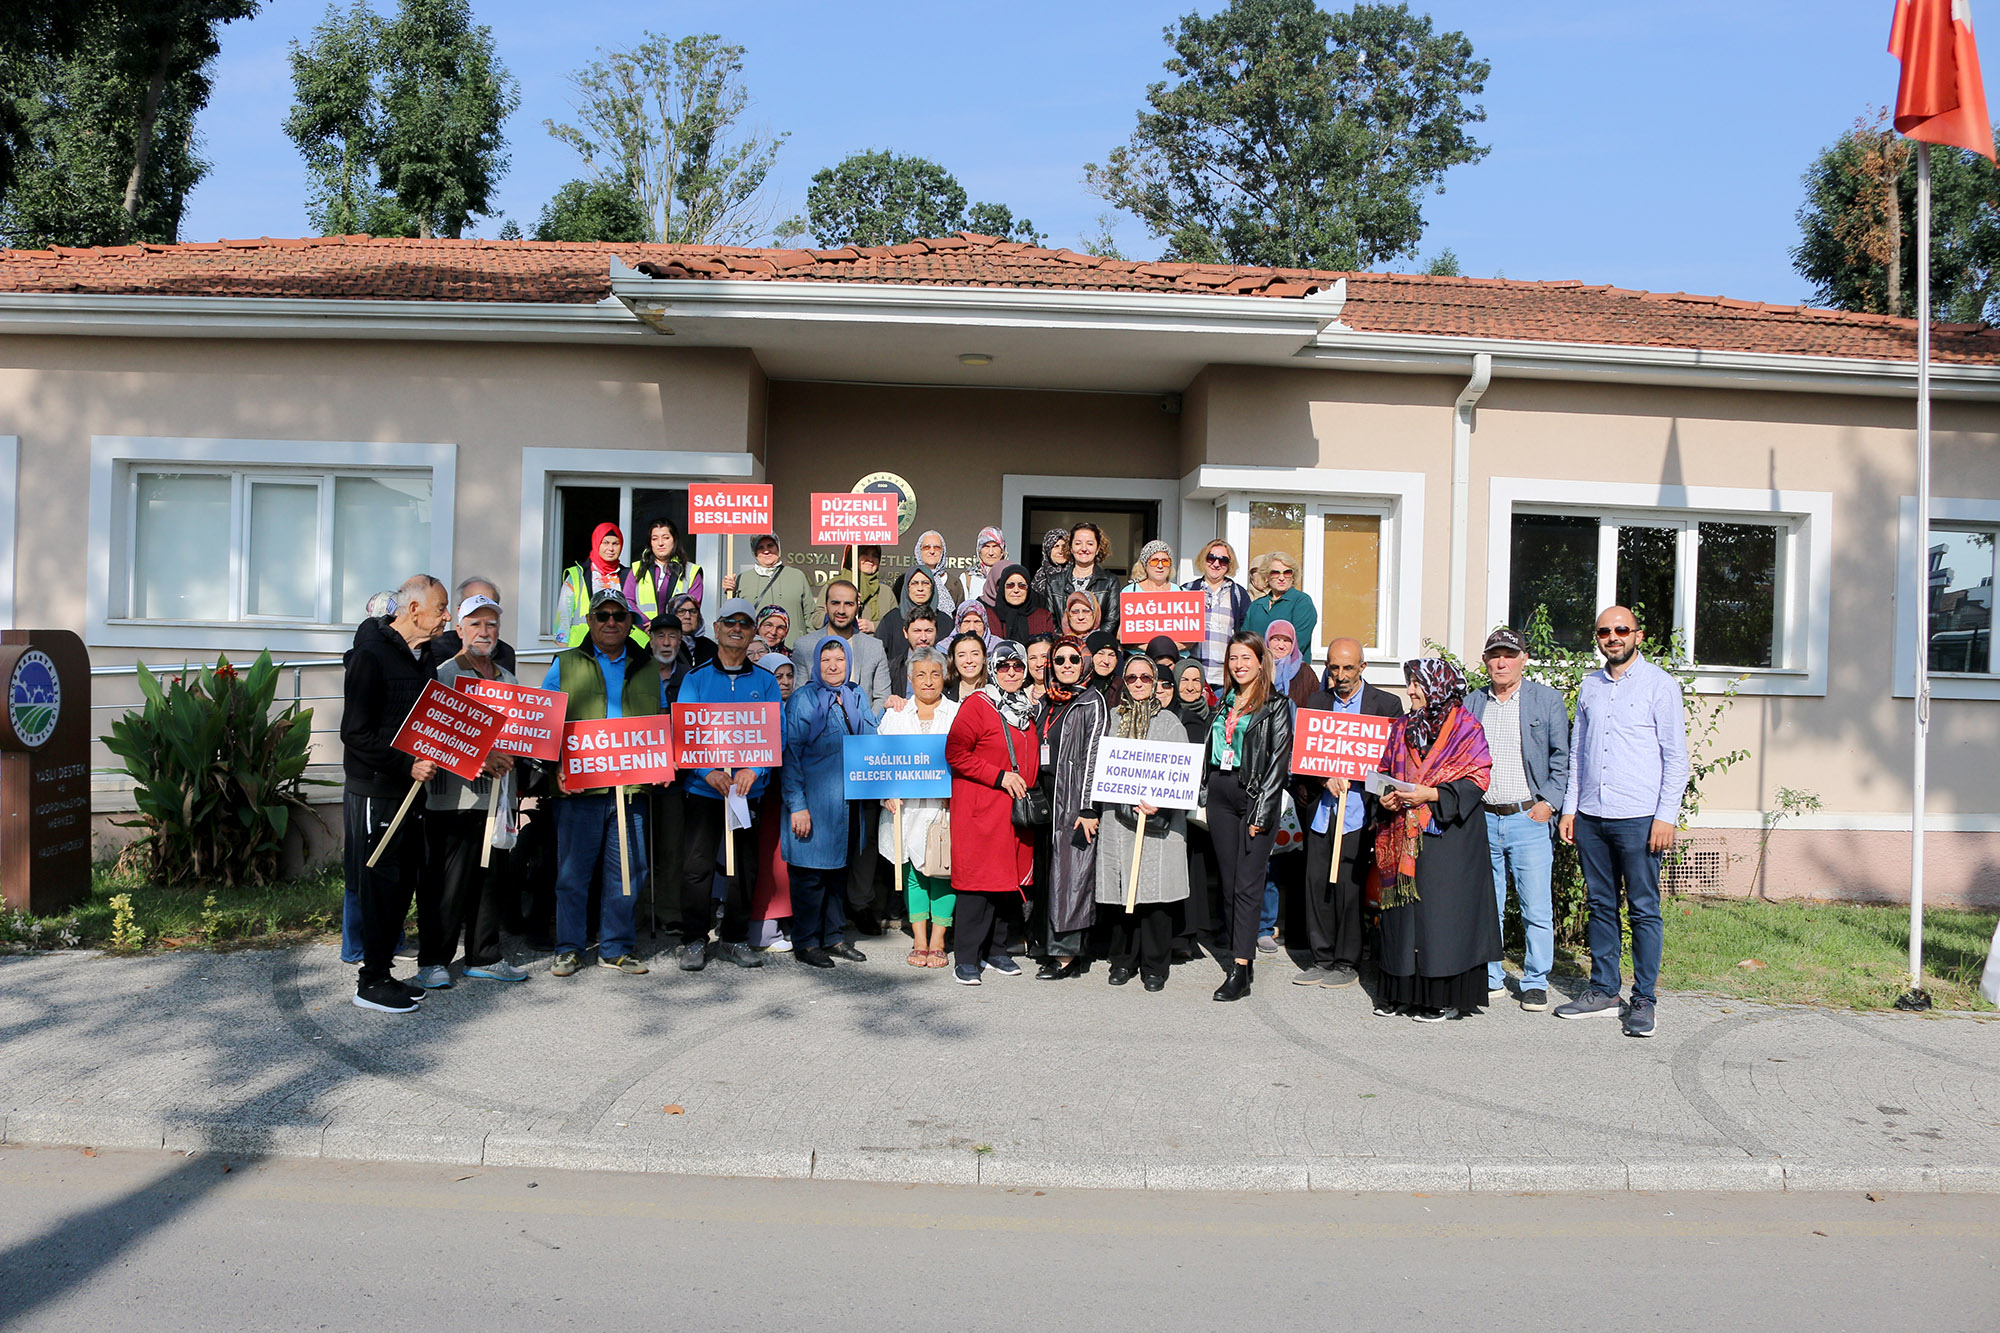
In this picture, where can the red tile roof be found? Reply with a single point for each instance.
(365, 268)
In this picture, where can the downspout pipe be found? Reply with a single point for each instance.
(1461, 495)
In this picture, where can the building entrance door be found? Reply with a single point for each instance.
(1128, 525)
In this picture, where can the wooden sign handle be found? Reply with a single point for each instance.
(492, 818)
(1339, 819)
(1138, 849)
(382, 843)
(728, 834)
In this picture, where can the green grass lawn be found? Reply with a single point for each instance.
(283, 913)
(1842, 955)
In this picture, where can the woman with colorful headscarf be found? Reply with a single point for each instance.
(1439, 929)
(1291, 674)
(600, 568)
(1070, 721)
(774, 627)
(1055, 563)
(991, 550)
(696, 646)
(934, 560)
(1142, 938)
(1082, 614)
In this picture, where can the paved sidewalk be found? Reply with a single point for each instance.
(880, 1071)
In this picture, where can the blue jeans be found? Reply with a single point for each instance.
(1518, 844)
(1615, 861)
(1268, 921)
(587, 852)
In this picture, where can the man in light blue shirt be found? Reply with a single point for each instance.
(1628, 769)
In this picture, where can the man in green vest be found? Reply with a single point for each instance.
(607, 675)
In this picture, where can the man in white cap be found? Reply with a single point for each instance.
(460, 896)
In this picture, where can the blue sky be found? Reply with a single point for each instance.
(1652, 145)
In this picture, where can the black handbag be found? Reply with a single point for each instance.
(1032, 809)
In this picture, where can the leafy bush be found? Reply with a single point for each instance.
(218, 777)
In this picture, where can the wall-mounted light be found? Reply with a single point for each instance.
(974, 359)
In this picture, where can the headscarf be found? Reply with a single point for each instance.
(1056, 692)
(940, 590)
(1201, 710)
(990, 593)
(909, 604)
(1162, 646)
(1147, 552)
(605, 568)
(765, 613)
(866, 585)
(1017, 709)
(1284, 668)
(1430, 746)
(976, 613)
(1109, 686)
(1135, 716)
(674, 610)
(1013, 620)
(1096, 611)
(820, 699)
(1444, 689)
(1045, 575)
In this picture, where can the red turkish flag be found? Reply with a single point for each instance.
(1940, 98)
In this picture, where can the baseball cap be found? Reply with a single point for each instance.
(479, 601)
(1505, 640)
(610, 597)
(737, 606)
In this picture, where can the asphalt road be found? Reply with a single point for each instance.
(111, 1240)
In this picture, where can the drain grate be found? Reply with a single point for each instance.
(1698, 870)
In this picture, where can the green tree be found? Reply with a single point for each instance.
(1444, 264)
(660, 121)
(1298, 138)
(99, 117)
(1101, 243)
(880, 198)
(1858, 227)
(336, 122)
(592, 211)
(444, 97)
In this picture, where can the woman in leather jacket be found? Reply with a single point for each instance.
(1249, 760)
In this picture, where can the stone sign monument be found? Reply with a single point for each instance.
(44, 771)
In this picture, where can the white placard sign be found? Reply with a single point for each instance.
(1166, 774)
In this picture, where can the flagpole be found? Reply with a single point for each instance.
(1916, 998)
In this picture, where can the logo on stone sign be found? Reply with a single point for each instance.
(34, 698)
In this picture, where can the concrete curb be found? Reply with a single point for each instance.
(1353, 1175)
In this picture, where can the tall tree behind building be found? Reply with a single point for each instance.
(1858, 227)
(1297, 138)
(882, 198)
(400, 121)
(99, 123)
(662, 121)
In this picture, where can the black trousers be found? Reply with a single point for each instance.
(980, 925)
(459, 897)
(701, 838)
(1141, 939)
(666, 816)
(384, 891)
(1241, 859)
(1201, 915)
(1333, 906)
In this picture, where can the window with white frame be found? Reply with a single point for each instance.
(1718, 583)
(1961, 569)
(1341, 549)
(267, 545)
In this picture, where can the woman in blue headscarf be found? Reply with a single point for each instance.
(821, 827)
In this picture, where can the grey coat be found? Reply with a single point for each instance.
(1544, 737)
(1163, 870)
(1072, 886)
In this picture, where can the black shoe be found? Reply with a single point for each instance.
(1236, 985)
(1050, 970)
(1119, 976)
(867, 924)
(387, 997)
(812, 957)
(847, 952)
(410, 988)
(1156, 983)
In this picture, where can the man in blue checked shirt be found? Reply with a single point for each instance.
(1628, 768)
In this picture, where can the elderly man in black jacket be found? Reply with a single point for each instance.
(1333, 902)
(386, 671)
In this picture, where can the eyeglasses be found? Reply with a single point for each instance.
(1281, 574)
(1066, 659)
(1161, 560)
(1011, 664)
(1614, 631)
(734, 622)
(1214, 559)
(606, 617)
(1015, 585)
(1138, 678)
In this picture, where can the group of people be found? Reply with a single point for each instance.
(1024, 675)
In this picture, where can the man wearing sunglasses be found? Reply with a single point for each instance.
(1628, 768)
(608, 675)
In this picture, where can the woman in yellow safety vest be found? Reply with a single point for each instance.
(662, 573)
(582, 579)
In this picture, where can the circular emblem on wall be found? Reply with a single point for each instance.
(34, 698)
(877, 483)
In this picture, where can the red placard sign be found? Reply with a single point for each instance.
(730, 507)
(531, 719)
(617, 752)
(450, 730)
(1338, 745)
(1181, 616)
(727, 736)
(843, 518)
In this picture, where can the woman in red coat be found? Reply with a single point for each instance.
(990, 858)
